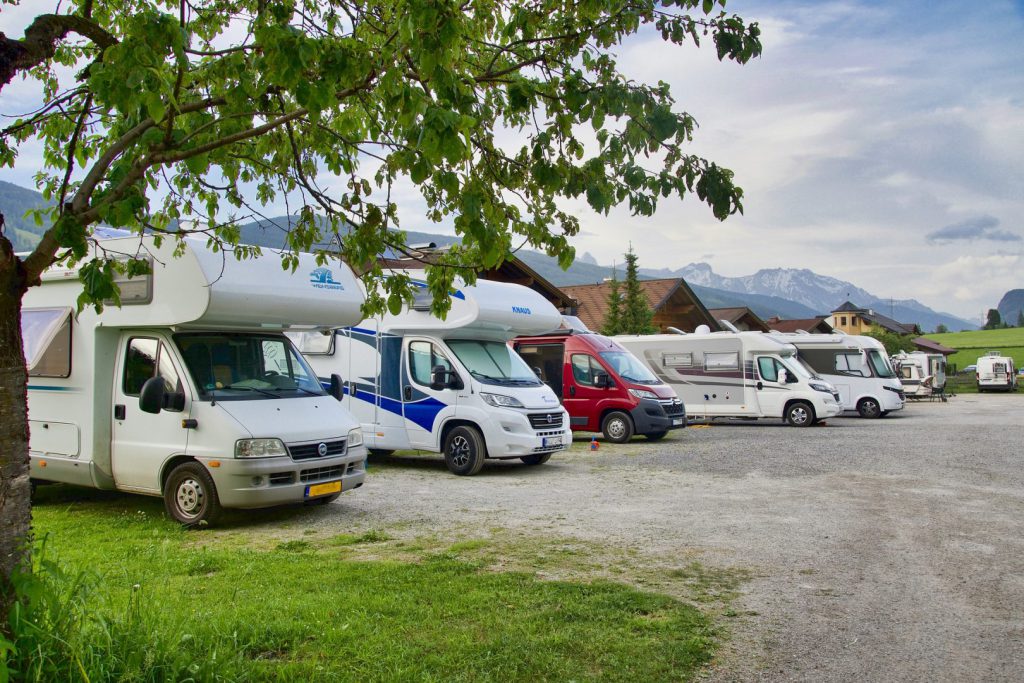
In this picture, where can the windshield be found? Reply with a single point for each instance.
(880, 364)
(493, 362)
(629, 368)
(241, 367)
(796, 365)
(806, 367)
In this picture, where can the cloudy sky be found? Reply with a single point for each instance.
(877, 142)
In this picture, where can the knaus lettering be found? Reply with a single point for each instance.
(523, 310)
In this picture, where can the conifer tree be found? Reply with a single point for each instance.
(613, 321)
(636, 311)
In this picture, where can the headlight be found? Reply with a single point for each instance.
(892, 389)
(643, 393)
(355, 438)
(500, 400)
(818, 386)
(259, 448)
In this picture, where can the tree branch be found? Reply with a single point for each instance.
(40, 42)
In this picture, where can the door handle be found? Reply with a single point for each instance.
(119, 411)
(407, 393)
(572, 391)
(760, 386)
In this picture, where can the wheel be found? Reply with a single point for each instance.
(379, 452)
(617, 427)
(869, 408)
(464, 451)
(655, 436)
(323, 500)
(536, 458)
(190, 495)
(800, 414)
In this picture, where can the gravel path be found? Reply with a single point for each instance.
(880, 550)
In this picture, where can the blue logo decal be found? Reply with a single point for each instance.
(521, 309)
(322, 278)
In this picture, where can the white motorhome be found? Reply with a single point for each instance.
(452, 386)
(995, 372)
(923, 374)
(738, 375)
(856, 365)
(190, 390)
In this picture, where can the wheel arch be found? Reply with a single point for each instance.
(807, 402)
(454, 422)
(169, 466)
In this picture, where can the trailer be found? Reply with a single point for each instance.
(451, 386)
(746, 375)
(923, 374)
(189, 389)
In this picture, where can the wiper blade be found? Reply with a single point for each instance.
(259, 391)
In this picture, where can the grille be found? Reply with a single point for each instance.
(281, 478)
(318, 473)
(554, 433)
(308, 451)
(673, 408)
(545, 420)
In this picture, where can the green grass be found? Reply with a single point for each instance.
(301, 604)
(974, 344)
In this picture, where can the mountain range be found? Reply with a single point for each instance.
(784, 292)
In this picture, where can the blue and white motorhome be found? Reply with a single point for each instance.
(452, 386)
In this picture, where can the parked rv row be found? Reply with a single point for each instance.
(220, 384)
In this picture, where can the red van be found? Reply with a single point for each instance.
(604, 387)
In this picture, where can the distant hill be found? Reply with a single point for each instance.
(15, 201)
(1011, 306)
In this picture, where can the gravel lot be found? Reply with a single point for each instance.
(879, 550)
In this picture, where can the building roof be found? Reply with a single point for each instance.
(817, 325)
(925, 344)
(740, 316)
(882, 321)
(672, 301)
(848, 307)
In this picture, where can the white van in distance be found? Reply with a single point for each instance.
(190, 390)
(995, 372)
(856, 365)
(737, 374)
(452, 386)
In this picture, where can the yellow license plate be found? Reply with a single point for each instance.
(323, 489)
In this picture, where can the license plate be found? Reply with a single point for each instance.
(552, 441)
(323, 489)
(677, 421)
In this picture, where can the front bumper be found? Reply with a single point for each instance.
(511, 434)
(264, 482)
(650, 416)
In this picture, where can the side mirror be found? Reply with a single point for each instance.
(174, 401)
(151, 397)
(337, 389)
(439, 377)
(537, 371)
(602, 380)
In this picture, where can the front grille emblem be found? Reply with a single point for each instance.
(322, 449)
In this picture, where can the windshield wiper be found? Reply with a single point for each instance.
(259, 391)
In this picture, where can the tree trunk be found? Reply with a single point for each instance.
(15, 491)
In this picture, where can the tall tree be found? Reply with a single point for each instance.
(993, 321)
(636, 310)
(613, 321)
(1020, 318)
(200, 113)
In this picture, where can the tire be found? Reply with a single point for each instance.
(617, 427)
(655, 436)
(800, 414)
(869, 408)
(190, 495)
(536, 458)
(379, 452)
(464, 451)
(323, 500)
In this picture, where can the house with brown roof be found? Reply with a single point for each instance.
(740, 317)
(852, 319)
(818, 325)
(929, 346)
(672, 301)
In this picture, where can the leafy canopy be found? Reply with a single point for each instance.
(193, 116)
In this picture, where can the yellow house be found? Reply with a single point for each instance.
(854, 320)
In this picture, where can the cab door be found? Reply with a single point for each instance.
(772, 391)
(142, 442)
(581, 395)
(422, 402)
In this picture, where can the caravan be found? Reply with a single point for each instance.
(452, 386)
(995, 372)
(737, 374)
(189, 390)
(857, 366)
(923, 374)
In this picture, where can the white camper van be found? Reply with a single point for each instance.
(190, 390)
(923, 374)
(995, 372)
(737, 374)
(856, 365)
(452, 386)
